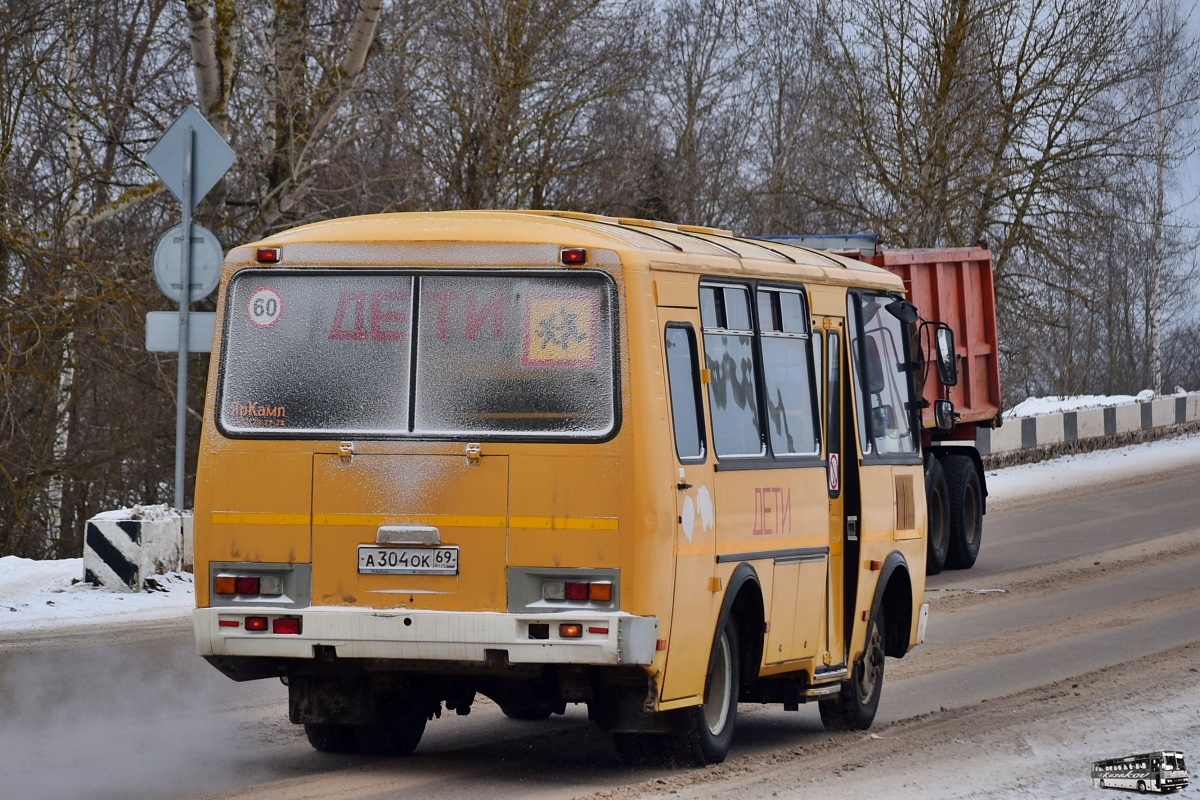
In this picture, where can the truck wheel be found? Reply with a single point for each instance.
(966, 511)
(328, 738)
(936, 497)
(704, 732)
(855, 706)
(394, 737)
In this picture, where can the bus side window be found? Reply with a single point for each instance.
(683, 378)
(885, 401)
(787, 375)
(728, 354)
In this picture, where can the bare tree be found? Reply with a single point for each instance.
(508, 92)
(1167, 100)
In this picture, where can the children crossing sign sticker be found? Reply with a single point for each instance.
(560, 330)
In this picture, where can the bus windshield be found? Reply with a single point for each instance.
(396, 354)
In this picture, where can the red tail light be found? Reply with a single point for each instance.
(247, 585)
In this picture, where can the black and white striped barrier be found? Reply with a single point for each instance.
(1044, 435)
(123, 548)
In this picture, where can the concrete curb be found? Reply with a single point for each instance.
(1023, 440)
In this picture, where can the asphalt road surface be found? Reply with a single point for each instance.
(1076, 636)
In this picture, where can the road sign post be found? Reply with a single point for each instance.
(190, 158)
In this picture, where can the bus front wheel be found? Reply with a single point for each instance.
(855, 705)
(1141, 787)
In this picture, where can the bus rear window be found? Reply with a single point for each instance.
(383, 354)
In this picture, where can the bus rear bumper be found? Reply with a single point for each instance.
(605, 639)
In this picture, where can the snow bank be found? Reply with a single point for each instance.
(1033, 406)
(44, 594)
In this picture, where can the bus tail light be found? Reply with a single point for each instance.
(290, 625)
(257, 624)
(578, 591)
(248, 585)
(570, 630)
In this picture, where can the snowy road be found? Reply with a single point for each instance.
(1076, 637)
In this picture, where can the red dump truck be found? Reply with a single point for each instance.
(953, 291)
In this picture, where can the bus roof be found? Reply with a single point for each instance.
(662, 245)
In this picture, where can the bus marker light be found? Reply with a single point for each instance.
(256, 623)
(290, 625)
(229, 623)
(268, 255)
(600, 592)
(876, 566)
(573, 256)
(225, 584)
(577, 591)
(660, 644)
(570, 630)
(597, 629)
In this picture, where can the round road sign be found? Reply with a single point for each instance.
(206, 263)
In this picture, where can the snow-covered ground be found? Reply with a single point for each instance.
(43, 594)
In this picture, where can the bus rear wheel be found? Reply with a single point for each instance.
(396, 735)
(855, 705)
(1141, 787)
(705, 732)
(328, 738)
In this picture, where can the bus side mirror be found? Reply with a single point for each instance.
(943, 415)
(903, 310)
(947, 359)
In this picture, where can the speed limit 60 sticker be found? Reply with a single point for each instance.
(265, 307)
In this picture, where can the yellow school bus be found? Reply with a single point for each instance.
(555, 458)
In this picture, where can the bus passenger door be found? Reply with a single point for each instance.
(839, 471)
(691, 482)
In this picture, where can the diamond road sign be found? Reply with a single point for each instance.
(211, 156)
